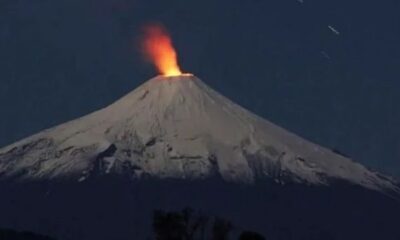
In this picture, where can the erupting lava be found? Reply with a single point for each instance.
(157, 47)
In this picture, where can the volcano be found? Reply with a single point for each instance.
(177, 129)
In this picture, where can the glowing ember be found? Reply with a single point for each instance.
(157, 47)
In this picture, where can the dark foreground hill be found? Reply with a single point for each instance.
(112, 208)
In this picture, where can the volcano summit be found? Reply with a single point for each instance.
(178, 127)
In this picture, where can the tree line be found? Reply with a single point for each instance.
(190, 225)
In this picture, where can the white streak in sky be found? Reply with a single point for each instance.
(325, 55)
(334, 30)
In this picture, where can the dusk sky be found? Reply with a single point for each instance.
(327, 70)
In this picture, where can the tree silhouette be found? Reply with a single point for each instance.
(184, 225)
(221, 229)
(248, 235)
(195, 225)
(190, 225)
(168, 225)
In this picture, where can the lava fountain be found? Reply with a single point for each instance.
(158, 49)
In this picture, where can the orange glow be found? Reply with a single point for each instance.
(157, 47)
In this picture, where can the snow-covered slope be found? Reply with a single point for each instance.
(178, 127)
